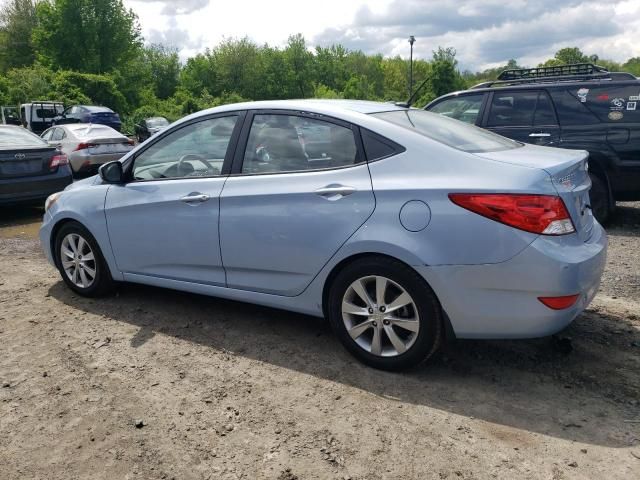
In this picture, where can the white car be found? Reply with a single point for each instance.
(88, 145)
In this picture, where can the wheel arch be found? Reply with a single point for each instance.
(338, 267)
(65, 221)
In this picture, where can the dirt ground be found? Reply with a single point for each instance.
(156, 384)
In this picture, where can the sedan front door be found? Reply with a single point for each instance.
(300, 189)
(164, 222)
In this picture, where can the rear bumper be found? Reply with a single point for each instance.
(84, 163)
(33, 189)
(501, 300)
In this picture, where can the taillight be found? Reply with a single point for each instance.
(58, 160)
(559, 303)
(83, 146)
(543, 214)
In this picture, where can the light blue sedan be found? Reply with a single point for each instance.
(398, 225)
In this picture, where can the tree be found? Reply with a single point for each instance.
(632, 66)
(299, 61)
(445, 77)
(567, 56)
(17, 22)
(164, 68)
(93, 36)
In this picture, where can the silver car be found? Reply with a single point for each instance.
(398, 225)
(88, 145)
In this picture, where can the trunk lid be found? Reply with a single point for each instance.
(25, 162)
(106, 145)
(568, 172)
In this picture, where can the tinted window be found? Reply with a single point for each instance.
(377, 147)
(453, 133)
(465, 108)
(571, 111)
(195, 150)
(544, 111)
(612, 104)
(512, 109)
(287, 143)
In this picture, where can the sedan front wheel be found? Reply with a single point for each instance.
(80, 261)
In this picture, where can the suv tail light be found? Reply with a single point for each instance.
(58, 160)
(542, 214)
(83, 146)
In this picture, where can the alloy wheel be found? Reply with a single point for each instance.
(380, 316)
(78, 260)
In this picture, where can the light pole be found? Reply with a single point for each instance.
(412, 40)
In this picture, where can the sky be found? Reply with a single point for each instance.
(485, 33)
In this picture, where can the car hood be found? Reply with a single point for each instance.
(85, 182)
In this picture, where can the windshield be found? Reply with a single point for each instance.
(157, 122)
(453, 133)
(18, 136)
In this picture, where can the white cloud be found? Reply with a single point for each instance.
(484, 32)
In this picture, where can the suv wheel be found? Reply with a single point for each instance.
(385, 314)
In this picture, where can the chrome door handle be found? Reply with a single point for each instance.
(541, 134)
(335, 191)
(195, 197)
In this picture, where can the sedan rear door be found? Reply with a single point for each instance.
(299, 189)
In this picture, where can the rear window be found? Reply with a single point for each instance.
(453, 133)
(95, 131)
(19, 137)
(157, 122)
(93, 109)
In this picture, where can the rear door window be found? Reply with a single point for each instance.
(465, 108)
(290, 143)
(511, 109)
(544, 114)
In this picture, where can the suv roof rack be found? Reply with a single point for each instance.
(573, 72)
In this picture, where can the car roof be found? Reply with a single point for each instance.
(358, 106)
(95, 108)
(541, 85)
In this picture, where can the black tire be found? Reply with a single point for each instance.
(429, 336)
(102, 282)
(600, 198)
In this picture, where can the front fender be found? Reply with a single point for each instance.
(85, 206)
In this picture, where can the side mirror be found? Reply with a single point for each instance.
(112, 172)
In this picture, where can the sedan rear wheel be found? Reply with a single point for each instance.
(385, 313)
(385, 324)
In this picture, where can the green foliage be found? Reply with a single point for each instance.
(91, 52)
(17, 21)
(76, 87)
(568, 55)
(28, 83)
(93, 36)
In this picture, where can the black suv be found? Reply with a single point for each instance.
(580, 106)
